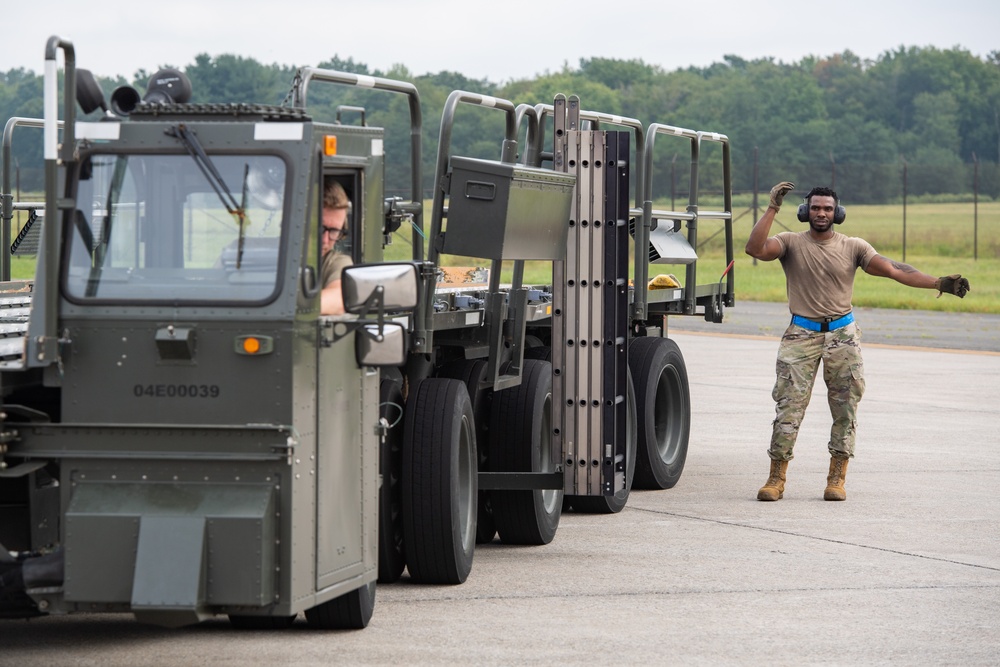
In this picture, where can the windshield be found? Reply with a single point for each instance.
(155, 228)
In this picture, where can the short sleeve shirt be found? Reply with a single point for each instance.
(333, 265)
(819, 275)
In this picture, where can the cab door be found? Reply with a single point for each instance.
(347, 444)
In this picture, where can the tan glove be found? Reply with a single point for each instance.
(778, 193)
(953, 284)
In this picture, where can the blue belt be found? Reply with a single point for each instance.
(825, 325)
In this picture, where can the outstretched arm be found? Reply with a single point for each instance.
(911, 277)
(901, 273)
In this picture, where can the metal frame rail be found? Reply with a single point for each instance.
(712, 296)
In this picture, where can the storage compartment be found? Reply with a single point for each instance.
(161, 545)
(506, 211)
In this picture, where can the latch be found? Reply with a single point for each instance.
(288, 448)
(175, 343)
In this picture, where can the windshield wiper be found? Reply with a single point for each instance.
(193, 146)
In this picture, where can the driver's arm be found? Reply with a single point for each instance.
(332, 299)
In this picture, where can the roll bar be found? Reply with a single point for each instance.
(300, 89)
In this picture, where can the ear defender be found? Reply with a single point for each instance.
(839, 213)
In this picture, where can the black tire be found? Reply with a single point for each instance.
(261, 622)
(543, 352)
(391, 556)
(521, 441)
(663, 401)
(616, 503)
(531, 340)
(472, 372)
(440, 482)
(351, 611)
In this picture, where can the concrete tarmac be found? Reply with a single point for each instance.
(906, 571)
(879, 326)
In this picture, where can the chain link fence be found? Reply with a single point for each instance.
(901, 208)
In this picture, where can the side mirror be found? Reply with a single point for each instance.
(396, 286)
(88, 92)
(370, 291)
(386, 349)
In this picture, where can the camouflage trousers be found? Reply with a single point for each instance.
(799, 356)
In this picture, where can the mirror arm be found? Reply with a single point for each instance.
(339, 329)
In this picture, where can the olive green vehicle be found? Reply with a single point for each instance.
(183, 434)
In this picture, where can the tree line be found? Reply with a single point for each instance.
(934, 113)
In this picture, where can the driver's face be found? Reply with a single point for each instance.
(334, 220)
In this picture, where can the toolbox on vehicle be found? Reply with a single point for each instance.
(507, 211)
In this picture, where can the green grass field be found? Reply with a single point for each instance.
(766, 282)
(939, 241)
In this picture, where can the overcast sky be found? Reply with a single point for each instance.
(498, 40)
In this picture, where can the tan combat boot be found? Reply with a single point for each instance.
(835, 480)
(774, 488)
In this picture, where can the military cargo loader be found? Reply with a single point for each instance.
(183, 434)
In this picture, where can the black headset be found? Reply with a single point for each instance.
(839, 213)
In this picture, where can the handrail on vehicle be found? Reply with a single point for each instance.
(691, 215)
(415, 206)
(596, 118)
(508, 151)
(495, 303)
(42, 342)
(530, 157)
(8, 204)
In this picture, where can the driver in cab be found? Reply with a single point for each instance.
(335, 209)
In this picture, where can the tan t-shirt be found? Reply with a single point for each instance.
(333, 264)
(819, 275)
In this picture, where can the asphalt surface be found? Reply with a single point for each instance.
(879, 326)
(906, 571)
